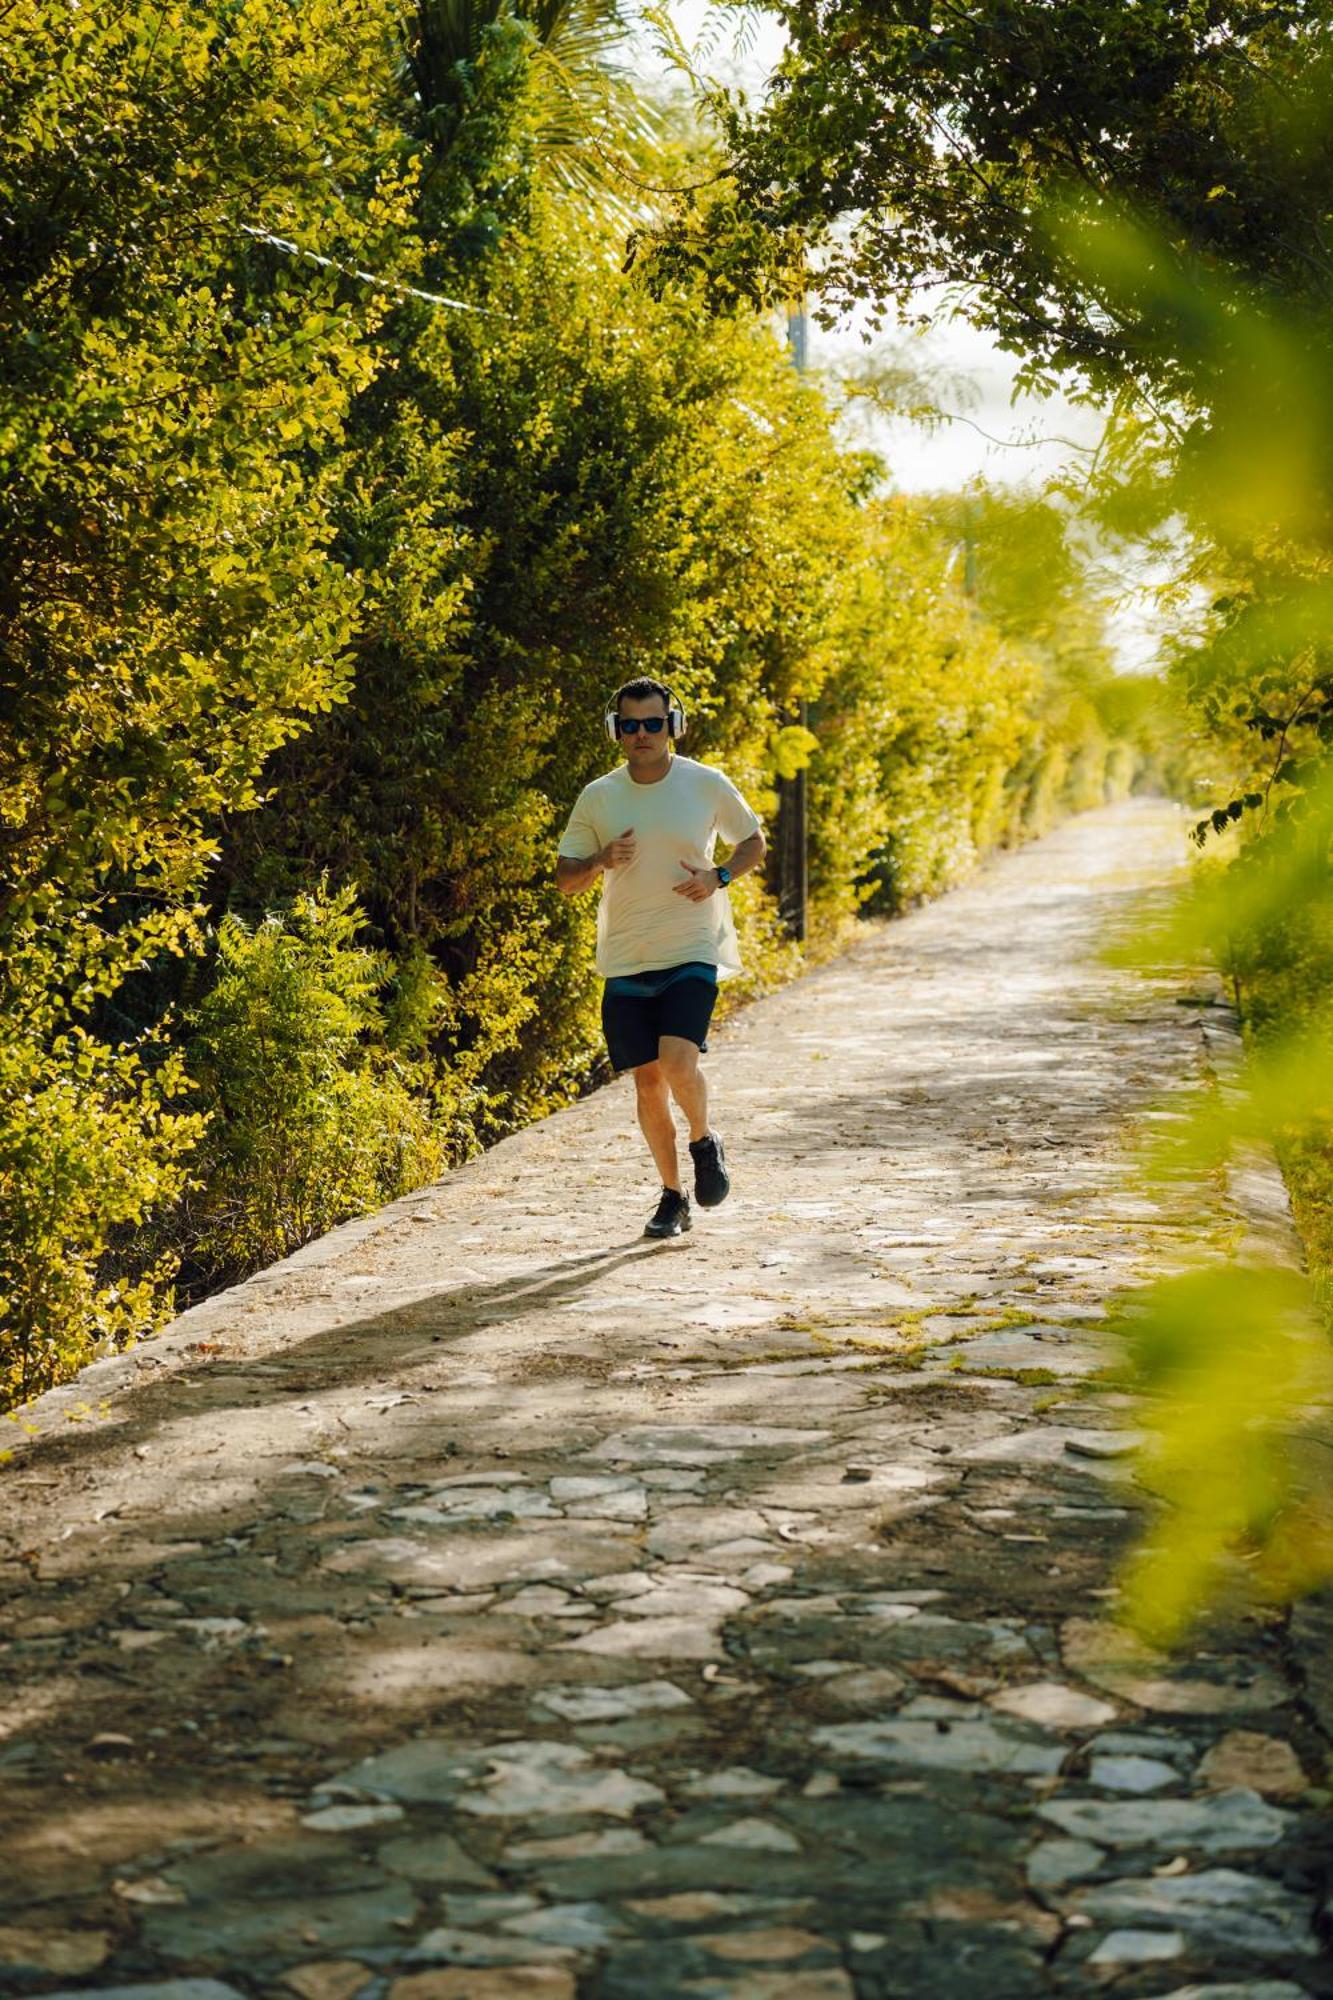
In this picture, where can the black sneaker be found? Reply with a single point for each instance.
(712, 1183)
(672, 1217)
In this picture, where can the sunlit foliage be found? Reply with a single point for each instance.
(343, 473)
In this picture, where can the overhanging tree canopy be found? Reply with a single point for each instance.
(908, 145)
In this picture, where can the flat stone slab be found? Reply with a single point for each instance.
(960, 1746)
(535, 1778)
(1218, 1905)
(1224, 1824)
(1053, 1705)
(702, 1444)
(613, 1704)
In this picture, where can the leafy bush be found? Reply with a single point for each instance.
(88, 1148)
(168, 610)
(311, 1117)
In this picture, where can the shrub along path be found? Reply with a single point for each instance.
(488, 1603)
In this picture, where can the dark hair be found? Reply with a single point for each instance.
(641, 689)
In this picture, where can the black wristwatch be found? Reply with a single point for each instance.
(723, 877)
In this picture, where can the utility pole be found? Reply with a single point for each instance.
(792, 842)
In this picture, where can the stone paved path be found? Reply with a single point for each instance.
(488, 1603)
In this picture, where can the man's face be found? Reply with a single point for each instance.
(643, 747)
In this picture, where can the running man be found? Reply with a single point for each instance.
(665, 934)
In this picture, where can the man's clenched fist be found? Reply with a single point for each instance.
(701, 885)
(618, 853)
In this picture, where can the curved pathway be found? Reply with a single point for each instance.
(488, 1605)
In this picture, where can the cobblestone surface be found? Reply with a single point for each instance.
(488, 1603)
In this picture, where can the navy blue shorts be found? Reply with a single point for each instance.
(634, 1024)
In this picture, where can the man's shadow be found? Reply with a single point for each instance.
(353, 1352)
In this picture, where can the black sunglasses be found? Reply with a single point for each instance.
(629, 725)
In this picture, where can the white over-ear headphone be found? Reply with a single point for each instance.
(675, 720)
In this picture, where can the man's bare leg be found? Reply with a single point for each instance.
(678, 1061)
(655, 1119)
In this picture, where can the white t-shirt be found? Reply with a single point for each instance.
(641, 925)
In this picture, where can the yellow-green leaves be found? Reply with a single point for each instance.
(1236, 1375)
(169, 612)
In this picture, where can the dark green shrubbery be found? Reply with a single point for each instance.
(314, 1111)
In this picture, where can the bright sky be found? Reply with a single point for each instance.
(986, 433)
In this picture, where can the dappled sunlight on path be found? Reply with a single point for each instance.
(487, 1603)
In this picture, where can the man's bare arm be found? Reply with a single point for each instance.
(747, 854)
(572, 876)
(705, 882)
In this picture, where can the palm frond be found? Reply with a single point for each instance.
(590, 117)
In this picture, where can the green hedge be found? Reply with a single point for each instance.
(311, 592)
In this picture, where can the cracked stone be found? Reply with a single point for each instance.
(1053, 1705)
(651, 1638)
(1131, 1774)
(1214, 1825)
(612, 1704)
(482, 1444)
(629, 1505)
(984, 1908)
(418, 1772)
(961, 1746)
(538, 1600)
(149, 1890)
(554, 1778)
(592, 1486)
(698, 1444)
(478, 1948)
(1024, 1347)
(581, 1926)
(487, 1480)
(686, 1599)
(1247, 1912)
(693, 1530)
(821, 1785)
